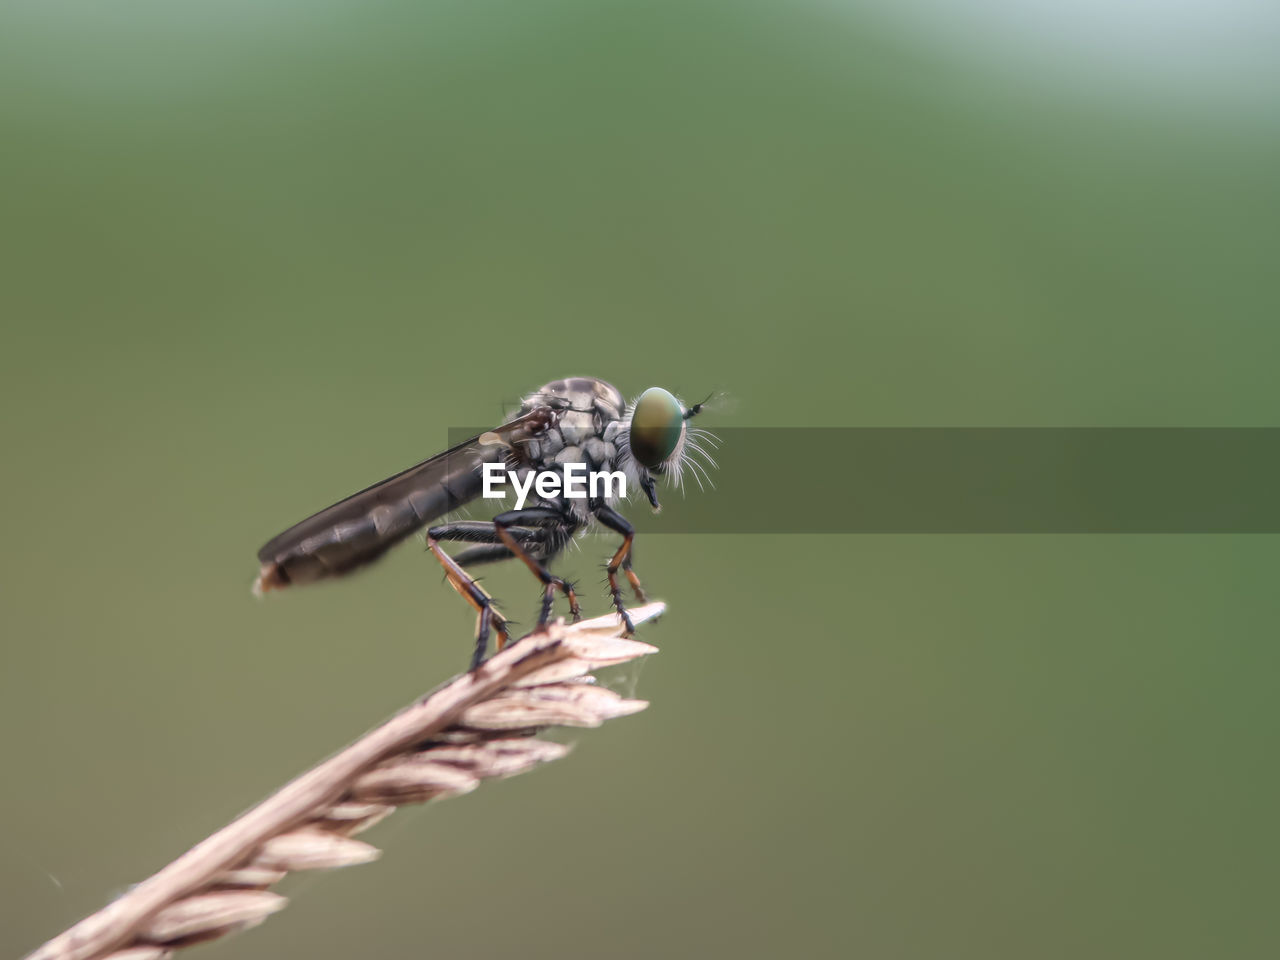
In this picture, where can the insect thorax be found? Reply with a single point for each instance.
(588, 419)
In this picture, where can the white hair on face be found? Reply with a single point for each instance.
(691, 447)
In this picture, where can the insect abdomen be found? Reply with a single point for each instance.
(352, 534)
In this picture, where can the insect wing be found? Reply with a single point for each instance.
(365, 525)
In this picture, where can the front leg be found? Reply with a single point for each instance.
(621, 560)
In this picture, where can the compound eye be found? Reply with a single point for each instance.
(656, 425)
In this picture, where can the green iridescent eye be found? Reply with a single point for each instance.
(656, 425)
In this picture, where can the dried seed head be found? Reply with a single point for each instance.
(601, 701)
(412, 780)
(212, 913)
(605, 652)
(474, 727)
(146, 952)
(250, 877)
(558, 672)
(347, 812)
(516, 710)
(353, 818)
(498, 758)
(610, 625)
(312, 849)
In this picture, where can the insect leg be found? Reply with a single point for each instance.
(622, 559)
(558, 530)
(485, 534)
(482, 553)
(478, 597)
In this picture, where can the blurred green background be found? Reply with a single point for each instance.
(256, 256)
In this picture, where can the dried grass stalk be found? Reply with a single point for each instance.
(473, 728)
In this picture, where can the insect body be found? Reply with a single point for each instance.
(580, 421)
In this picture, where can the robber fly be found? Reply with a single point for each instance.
(579, 420)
